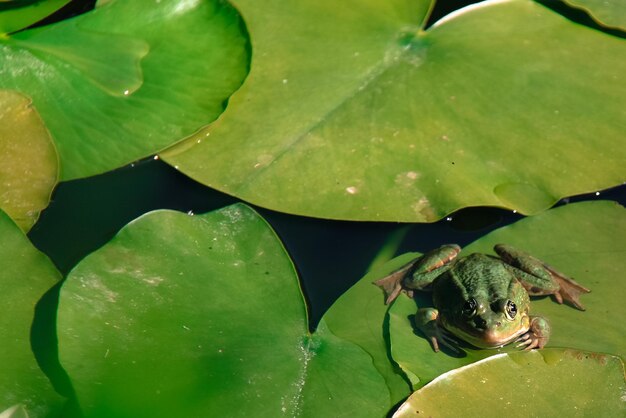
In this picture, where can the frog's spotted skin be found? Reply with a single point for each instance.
(482, 299)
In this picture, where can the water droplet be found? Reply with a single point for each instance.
(126, 92)
(449, 218)
(597, 193)
(351, 189)
(285, 81)
(190, 213)
(156, 157)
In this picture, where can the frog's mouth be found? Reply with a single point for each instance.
(497, 335)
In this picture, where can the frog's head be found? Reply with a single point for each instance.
(490, 321)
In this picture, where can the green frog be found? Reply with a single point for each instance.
(482, 299)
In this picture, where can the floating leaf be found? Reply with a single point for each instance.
(25, 276)
(508, 104)
(127, 79)
(16, 15)
(203, 315)
(550, 382)
(29, 166)
(610, 13)
(359, 316)
(583, 240)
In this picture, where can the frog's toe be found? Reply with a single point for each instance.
(529, 343)
(445, 340)
(533, 344)
(524, 341)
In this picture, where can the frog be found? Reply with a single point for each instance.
(482, 299)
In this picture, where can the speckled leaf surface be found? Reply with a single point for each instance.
(586, 241)
(127, 79)
(29, 164)
(547, 383)
(25, 276)
(610, 13)
(203, 315)
(509, 104)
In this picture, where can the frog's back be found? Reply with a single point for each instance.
(481, 277)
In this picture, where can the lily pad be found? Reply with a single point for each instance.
(127, 79)
(610, 13)
(203, 315)
(586, 241)
(25, 276)
(508, 104)
(16, 15)
(360, 316)
(29, 167)
(552, 382)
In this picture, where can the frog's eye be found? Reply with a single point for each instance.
(469, 308)
(510, 309)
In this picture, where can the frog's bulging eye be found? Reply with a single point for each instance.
(510, 309)
(469, 308)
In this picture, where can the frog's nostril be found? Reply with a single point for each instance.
(480, 322)
(498, 323)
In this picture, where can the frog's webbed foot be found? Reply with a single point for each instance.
(392, 284)
(540, 279)
(569, 290)
(426, 321)
(537, 336)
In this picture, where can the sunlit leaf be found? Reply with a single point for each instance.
(369, 117)
(28, 171)
(25, 276)
(611, 13)
(547, 383)
(203, 316)
(583, 240)
(127, 79)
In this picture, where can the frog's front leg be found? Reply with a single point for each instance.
(537, 335)
(540, 279)
(419, 273)
(426, 321)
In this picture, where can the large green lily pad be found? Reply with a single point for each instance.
(611, 13)
(509, 105)
(25, 276)
(360, 316)
(203, 315)
(127, 79)
(28, 171)
(583, 240)
(547, 383)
